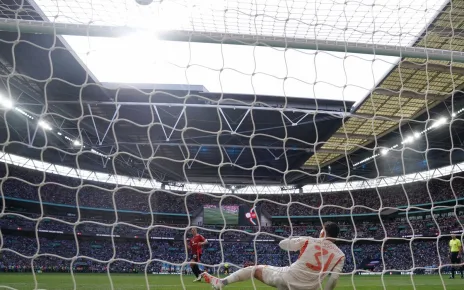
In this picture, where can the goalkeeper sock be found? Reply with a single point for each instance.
(240, 275)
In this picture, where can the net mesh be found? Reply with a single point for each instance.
(114, 148)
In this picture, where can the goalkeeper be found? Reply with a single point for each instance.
(318, 257)
(226, 269)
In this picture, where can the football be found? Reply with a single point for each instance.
(144, 2)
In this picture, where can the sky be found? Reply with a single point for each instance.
(246, 69)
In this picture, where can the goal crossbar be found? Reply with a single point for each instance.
(44, 27)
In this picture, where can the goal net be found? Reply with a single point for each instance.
(127, 123)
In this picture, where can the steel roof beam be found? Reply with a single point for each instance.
(240, 154)
(411, 94)
(311, 167)
(446, 31)
(335, 114)
(53, 28)
(110, 124)
(275, 156)
(161, 121)
(353, 136)
(213, 105)
(435, 67)
(308, 149)
(189, 164)
(94, 124)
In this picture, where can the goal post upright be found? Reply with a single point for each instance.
(55, 28)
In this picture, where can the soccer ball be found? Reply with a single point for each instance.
(144, 2)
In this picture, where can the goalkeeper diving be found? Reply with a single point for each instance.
(318, 258)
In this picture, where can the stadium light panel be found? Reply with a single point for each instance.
(453, 115)
(77, 143)
(408, 139)
(6, 103)
(45, 125)
(22, 112)
(99, 154)
(441, 121)
(438, 123)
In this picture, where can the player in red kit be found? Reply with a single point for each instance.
(195, 245)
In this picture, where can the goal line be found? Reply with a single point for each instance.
(54, 28)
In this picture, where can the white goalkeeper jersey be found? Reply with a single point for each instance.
(318, 258)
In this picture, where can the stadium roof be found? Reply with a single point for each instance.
(411, 88)
(152, 122)
(177, 142)
(245, 69)
(147, 125)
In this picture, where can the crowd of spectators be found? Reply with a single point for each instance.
(20, 253)
(359, 230)
(97, 244)
(363, 242)
(68, 191)
(377, 229)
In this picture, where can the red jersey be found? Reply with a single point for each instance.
(194, 244)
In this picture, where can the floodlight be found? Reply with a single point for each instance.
(44, 125)
(417, 135)
(77, 143)
(99, 154)
(409, 139)
(6, 103)
(384, 151)
(453, 115)
(441, 121)
(23, 113)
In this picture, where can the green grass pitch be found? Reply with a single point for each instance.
(173, 282)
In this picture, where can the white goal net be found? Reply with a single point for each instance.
(126, 123)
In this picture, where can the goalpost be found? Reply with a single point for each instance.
(395, 62)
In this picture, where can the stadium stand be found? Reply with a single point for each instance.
(96, 228)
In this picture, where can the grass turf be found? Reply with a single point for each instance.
(173, 282)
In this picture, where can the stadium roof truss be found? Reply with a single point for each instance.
(412, 87)
(216, 188)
